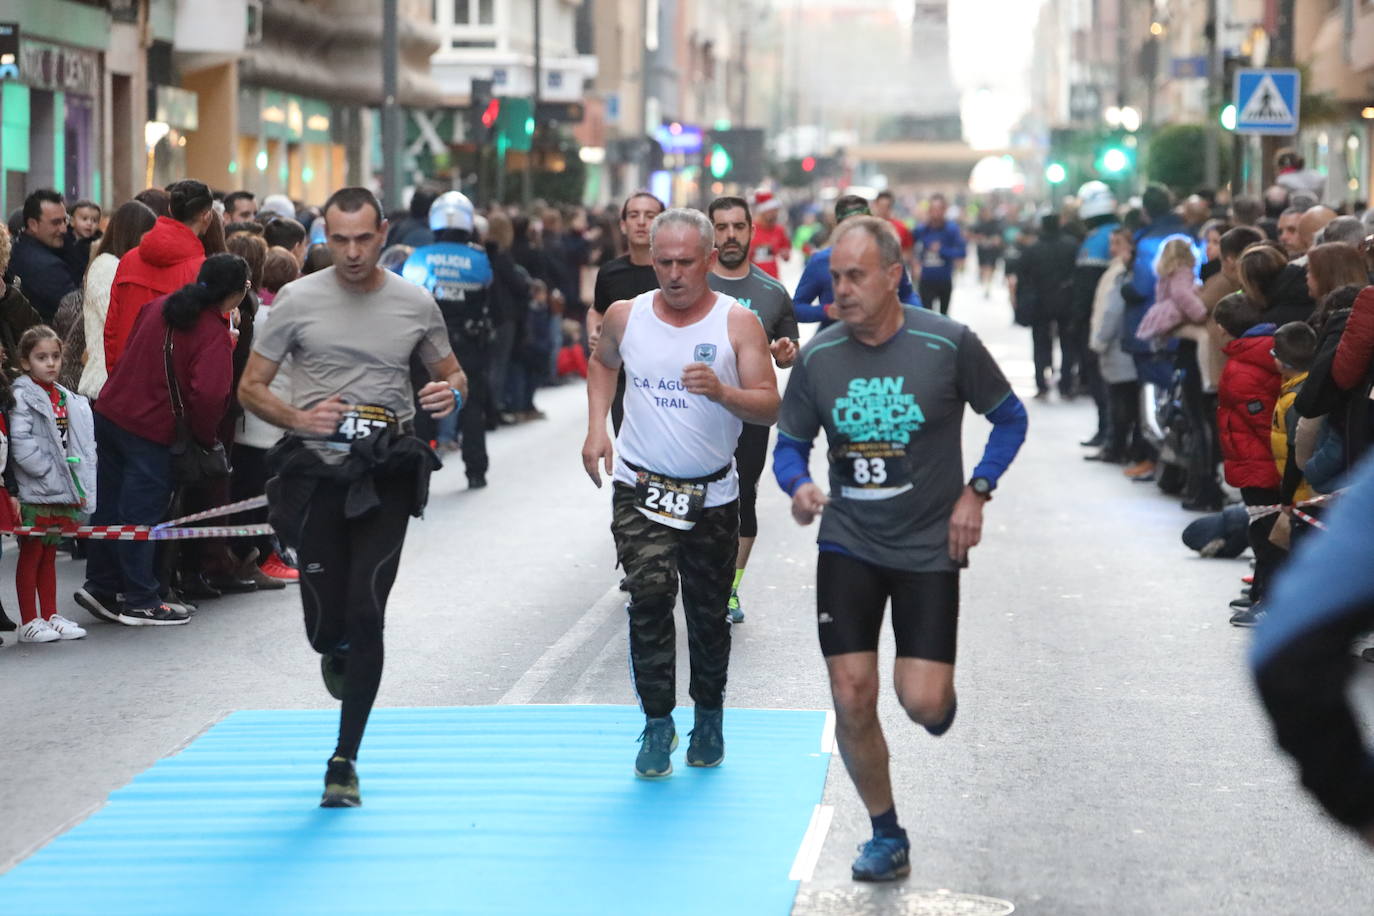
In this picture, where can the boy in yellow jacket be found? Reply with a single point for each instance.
(1295, 346)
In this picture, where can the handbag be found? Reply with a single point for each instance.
(192, 463)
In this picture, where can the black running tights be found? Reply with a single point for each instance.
(347, 569)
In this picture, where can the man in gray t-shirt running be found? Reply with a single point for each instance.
(734, 275)
(889, 384)
(351, 472)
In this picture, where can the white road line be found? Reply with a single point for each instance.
(804, 865)
(556, 656)
(828, 733)
(613, 655)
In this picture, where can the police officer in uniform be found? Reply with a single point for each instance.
(455, 269)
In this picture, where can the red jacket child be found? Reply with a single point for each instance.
(168, 257)
(1246, 396)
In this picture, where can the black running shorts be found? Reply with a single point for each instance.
(751, 456)
(852, 594)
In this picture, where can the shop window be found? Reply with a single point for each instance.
(474, 12)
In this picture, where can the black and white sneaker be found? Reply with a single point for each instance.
(160, 616)
(98, 605)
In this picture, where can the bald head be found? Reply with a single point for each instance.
(1312, 222)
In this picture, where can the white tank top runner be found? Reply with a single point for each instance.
(667, 429)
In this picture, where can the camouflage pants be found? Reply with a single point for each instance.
(653, 557)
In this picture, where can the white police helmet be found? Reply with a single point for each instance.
(1095, 199)
(452, 210)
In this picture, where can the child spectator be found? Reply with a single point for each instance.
(1295, 346)
(52, 443)
(1246, 396)
(572, 357)
(1176, 298)
(86, 220)
(1125, 444)
(280, 269)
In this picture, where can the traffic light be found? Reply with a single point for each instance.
(719, 162)
(808, 164)
(1115, 156)
(1055, 173)
(1228, 117)
(491, 113)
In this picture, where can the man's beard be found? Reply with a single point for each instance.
(726, 254)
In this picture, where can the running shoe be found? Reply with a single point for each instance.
(333, 667)
(161, 616)
(99, 605)
(656, 745)
(1248, 616)
(341, 785)
(883, 858)
(38, 630)
(67, 629)
(278, 568)
(736, 612)
(707, 747)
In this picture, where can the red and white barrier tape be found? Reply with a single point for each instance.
(1258, 512)
(174, 530)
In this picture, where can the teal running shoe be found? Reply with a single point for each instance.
(656, 745)
(883, 858)
(707, 747)
(341, 785)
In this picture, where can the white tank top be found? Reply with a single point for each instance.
(667, 429)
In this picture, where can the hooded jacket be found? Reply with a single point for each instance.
(1287, 298)
(41, 466)
(1279, 435)
(168, 257)
(1245, 409)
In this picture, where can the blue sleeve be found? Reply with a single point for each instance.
(1009, 424)
(954, 247)
(811, 286)
(791, 463)
(906, 293)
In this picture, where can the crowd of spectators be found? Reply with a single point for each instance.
(1231, 354)
(146, 316)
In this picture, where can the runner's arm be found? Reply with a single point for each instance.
(756, 400)
(255, 395)
(809, 288)
(602, 370)
(448, 376)
(1009, 424)
(906, 293)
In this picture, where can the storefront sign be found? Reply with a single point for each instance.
(59, 69)
(9, 50)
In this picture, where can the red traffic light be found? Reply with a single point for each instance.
(809, 164)
(492, 112)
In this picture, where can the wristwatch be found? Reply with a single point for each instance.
(982, 486)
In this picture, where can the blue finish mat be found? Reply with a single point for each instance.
(495, 809)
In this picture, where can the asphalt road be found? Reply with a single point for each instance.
(1109, 756)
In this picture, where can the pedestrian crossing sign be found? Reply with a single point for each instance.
(1267, 101)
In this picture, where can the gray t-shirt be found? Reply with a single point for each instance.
(355, 345)
(765, 297)
(892, 415)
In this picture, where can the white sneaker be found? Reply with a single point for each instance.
(67, 629)
(38, 630)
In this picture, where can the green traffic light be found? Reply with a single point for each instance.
(1056, 173)
(1228, 117)
(1115, 160)
(529, 126)
(720, 161)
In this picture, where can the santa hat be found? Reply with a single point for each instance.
(764, 202)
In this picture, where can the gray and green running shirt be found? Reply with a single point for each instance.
(892, 415)
(765, 297)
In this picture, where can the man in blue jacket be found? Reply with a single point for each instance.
(37, 258)
(941, 249)
(815, 294)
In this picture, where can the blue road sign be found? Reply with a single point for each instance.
(1267, 101)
